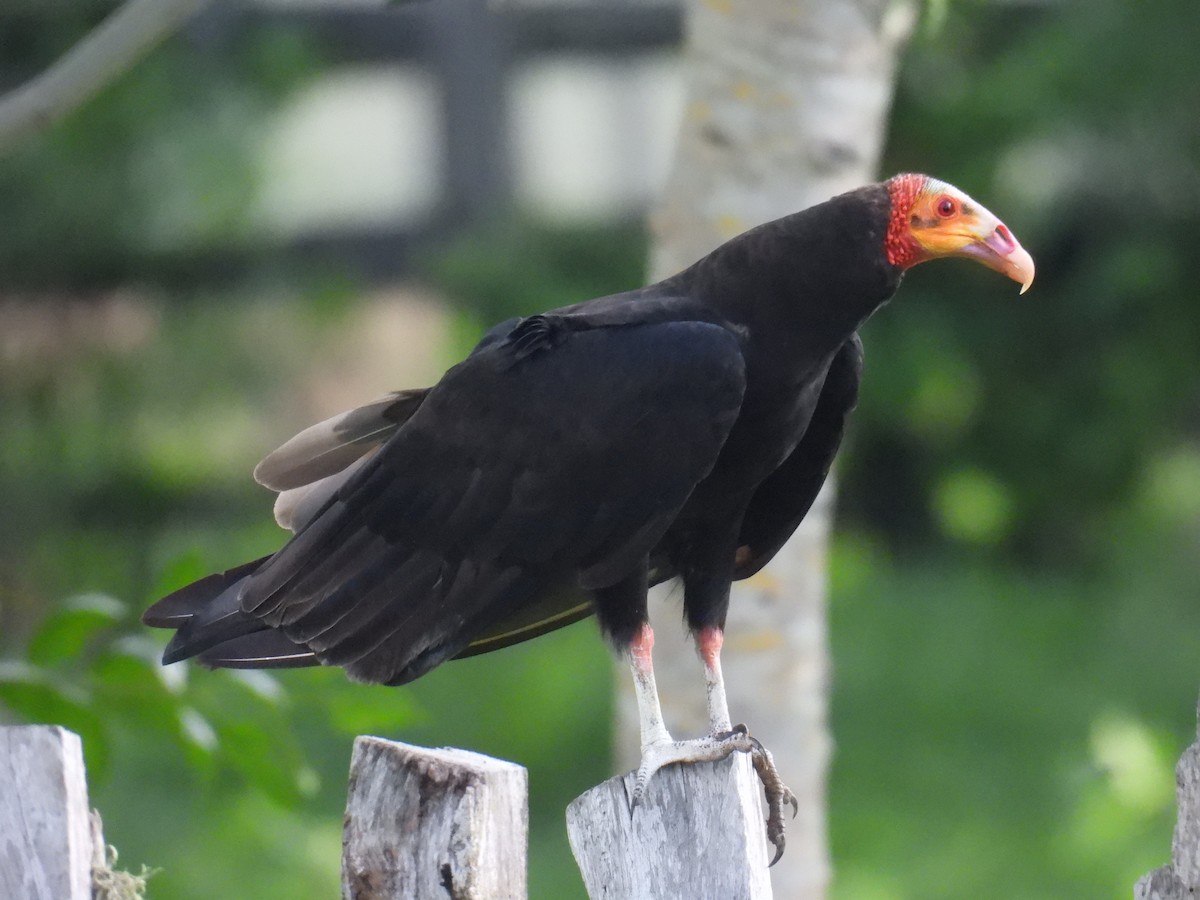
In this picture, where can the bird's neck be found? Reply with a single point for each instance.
(801, 285)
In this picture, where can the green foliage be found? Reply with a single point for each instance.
(1062, 398)
(1004, 733)
(81, 672)
(160, 165)
(525, 267)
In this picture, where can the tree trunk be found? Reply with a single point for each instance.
(786, 106)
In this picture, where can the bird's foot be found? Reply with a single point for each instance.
(713, 748)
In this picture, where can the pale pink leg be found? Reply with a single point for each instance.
(658, 748)
(650, 717)
(709, 642)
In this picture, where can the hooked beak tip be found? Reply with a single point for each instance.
(1007, 256)
(1020, 267)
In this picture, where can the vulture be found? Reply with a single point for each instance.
(579, 456)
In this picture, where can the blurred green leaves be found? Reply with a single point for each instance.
(1138, 763)
(1065, 396)
(973, 506)
(160, 165)
(34, 695)
(1172, 485)
(1002, 732)
(66, 632)
(523, 267)
(82, 672)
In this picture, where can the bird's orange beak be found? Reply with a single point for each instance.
(992, 244)
(948, 223)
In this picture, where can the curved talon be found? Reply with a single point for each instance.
(779, 843)
(715, 747)
(645, 773)
(777, 794)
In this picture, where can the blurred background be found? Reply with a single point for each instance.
(291, 208)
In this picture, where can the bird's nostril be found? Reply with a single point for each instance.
(1004, 239)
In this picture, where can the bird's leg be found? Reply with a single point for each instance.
(709, 641)
(659, 749)
(621, 608)
(650, 717)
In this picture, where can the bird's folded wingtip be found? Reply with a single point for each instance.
(177, 649)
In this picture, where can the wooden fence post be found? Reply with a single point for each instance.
(48, 840)
(433, 825)
(1180, 879)
(699, 833)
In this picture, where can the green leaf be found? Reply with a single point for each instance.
(272, 764)
(129, 686)
(181, 570)
(355, 710)
(33, 695)
(974, 506)
(67, 632)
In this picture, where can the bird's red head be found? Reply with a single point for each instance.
(932, 219)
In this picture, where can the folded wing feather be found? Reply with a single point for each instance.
(328, 447)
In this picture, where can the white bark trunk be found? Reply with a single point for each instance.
(786, 107)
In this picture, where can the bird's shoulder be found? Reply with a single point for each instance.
(518, 338)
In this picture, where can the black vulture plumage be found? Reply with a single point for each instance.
(680, 430)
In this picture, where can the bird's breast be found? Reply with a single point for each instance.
(772, 421)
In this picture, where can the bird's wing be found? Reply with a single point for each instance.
(324, 450)
(782, 501)
(554, 453)
(554, 606)
(308, 469)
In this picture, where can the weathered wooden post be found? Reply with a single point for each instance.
(699, 833)
(48, 839)
(433, 825)
(1180, 879)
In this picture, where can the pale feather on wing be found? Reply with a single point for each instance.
(328, 447)
(296, 507)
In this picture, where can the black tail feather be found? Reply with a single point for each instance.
(205, 613)
(266, 649)
(202, 633)
(176, 609)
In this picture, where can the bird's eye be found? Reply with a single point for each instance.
(946, 207)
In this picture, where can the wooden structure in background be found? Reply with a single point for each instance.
(433, 824)
(699, 833)
(470, 49)
(49, 841)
